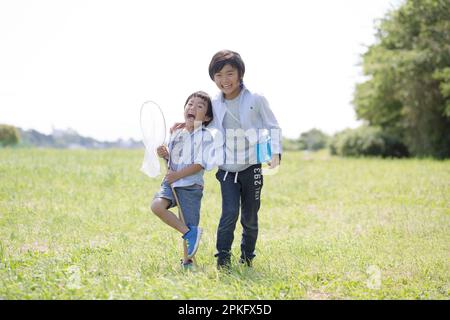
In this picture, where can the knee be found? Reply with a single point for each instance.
(156, 207)
(229, 218)
(250, 225)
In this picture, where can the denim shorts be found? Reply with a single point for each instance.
(189, 197)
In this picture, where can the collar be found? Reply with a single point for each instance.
(243, 90)
(199, 128)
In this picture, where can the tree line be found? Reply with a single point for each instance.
(17, 137)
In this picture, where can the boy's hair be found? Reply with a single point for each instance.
(223, 57)
(204, 96)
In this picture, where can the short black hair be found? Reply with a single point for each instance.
(224, 57)
(204, 96)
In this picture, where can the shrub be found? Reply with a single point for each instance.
(290, 144)
(8, 135)
(313, 140)
(367, 141)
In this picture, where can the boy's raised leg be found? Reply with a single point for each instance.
(159, 207)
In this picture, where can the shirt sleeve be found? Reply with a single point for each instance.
(172, 137)
(271, 124)
(205, 153)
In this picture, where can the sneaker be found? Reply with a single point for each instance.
(246, 261)
(192, 238)
(187, 266)
(223, 263)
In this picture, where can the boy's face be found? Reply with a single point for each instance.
(228, 81)
(195, 112)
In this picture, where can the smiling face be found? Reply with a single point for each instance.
(195, 112)
(228, 81)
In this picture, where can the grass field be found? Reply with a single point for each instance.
(76, 225)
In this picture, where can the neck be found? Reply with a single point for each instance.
(233, 95)
(189, 128)
(192, 127)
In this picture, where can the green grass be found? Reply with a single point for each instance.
(77, 225)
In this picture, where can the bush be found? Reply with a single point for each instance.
(290, 144)
(8, 135)
(367, 141)
(313, 140)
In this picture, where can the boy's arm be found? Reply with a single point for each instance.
(177, 126)
(271, 123)
(275, 161)
(173, 176)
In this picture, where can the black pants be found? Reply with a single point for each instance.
(244, 193)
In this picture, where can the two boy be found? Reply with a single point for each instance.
(236, 114)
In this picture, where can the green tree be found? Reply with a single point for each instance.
(407, 93)
(8, 135)
(313, 139)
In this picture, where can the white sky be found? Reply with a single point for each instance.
(89, 65)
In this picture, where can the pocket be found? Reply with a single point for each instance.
(193, 187)
(194, 192)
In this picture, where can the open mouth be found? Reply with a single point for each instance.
(190, 117)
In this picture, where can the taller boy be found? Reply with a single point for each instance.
(248, 127)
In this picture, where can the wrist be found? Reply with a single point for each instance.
(178, 175)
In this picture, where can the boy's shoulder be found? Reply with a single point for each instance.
(256, 97)
(175, 133)
(179, 136)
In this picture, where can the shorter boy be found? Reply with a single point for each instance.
(189, 154)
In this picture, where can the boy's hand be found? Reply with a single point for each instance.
(172, 176)
(176, 126)
(162, 152)
(275, 161)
